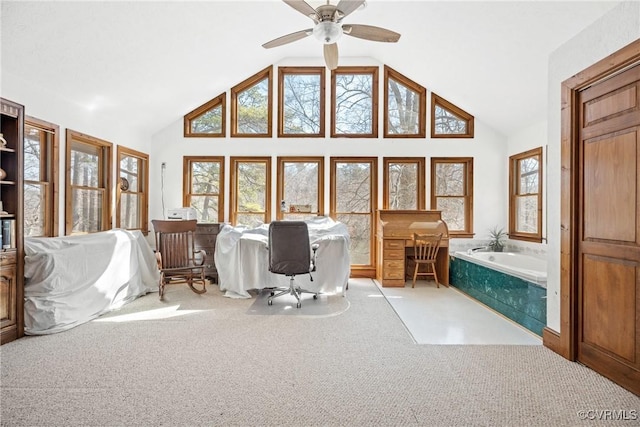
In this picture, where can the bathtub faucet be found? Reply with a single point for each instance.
(479, 248)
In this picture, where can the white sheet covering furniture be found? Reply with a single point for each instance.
(242, 259)
(74, 279)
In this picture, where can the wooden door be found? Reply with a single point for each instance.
(608, 241)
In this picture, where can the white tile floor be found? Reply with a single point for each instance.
(447, 316)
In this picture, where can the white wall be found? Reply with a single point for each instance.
(42, 104)
(488, 149)
(608, 34)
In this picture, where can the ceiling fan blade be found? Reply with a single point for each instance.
(288, 38)
(331, 55)
(303, 7)
(348, 6)
(369, 32)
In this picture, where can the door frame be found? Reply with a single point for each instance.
(565, 342)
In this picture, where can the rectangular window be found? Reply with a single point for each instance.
(353, 202)
(203, 187)
(301, 101)
(452, 193)
(40, 178)
(525, 196)
(300, 187)
(132, 190)
(403, 183)
(88, 189)
(250, 191)
(354, 102)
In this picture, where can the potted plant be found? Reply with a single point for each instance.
(497, 236)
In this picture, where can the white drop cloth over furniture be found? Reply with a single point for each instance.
(242, 259)
(74, 279)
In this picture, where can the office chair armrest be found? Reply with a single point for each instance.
(314, 248)
(202, 255)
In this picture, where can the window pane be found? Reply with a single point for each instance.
(33, 146)
(252, 116)
(354, 105)
(252, 187)
(452, 212)
(450, 179)
(359, 237)
(404, 109)
(34, 209)
(130, 208)
(129, 169)
(206, 208)
(528, 169)
(302, 103)
(250, 220)
(301, 184)
(205, 178)
(86, 206)
(403, 186)
(208, 122)
(353, 187)
(527, 214)
(448, 123)
(85, 165)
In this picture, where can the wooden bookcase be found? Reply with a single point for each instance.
(11, 195)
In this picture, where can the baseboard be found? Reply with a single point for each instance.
(551, 340)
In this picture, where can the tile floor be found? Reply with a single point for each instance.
(447, 316)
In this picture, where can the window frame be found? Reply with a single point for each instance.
(514, 176)
(187, 181)
(374, 100)
(390, 73)
(282, 73)
(234, 161)
(220, 100)
(455, 110)
(280, 181)
(468, 196)
(143, 187)
(105, 149)
(48, 168)
(359, 270)
(267, 73)
(420, 185)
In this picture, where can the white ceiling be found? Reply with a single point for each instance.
(153, 62)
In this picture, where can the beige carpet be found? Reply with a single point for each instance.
(202, 360)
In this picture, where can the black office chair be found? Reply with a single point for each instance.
(290, 255)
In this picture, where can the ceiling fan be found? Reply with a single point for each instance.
(329, 28)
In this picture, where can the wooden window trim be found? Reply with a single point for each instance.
(267, 73)
(468, 197)
(390, 73)
(282, 72)
(52, 172)
(280, 181)
(358, 270)
(187, 181)
(513, 195)
(420, 184)
(233, 197)
(457, 111)
(106, 148)
(374, 100)
(143, 181)
(220, 100)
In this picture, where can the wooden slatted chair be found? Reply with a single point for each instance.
(425, 251)
(176, 255)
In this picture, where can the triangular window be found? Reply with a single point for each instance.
(208, 120)
(449, 121)
(251, 103)
(404, 106)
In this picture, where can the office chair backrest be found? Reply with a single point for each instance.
(174, 241)
(289, 248)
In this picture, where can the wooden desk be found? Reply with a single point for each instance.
(394, 237)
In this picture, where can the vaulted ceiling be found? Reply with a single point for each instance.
(152, 62)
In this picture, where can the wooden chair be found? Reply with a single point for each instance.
(176, 255)
(425, 251)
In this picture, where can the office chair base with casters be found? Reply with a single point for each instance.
(290, 255)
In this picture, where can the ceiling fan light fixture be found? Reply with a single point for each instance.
(327, 32)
